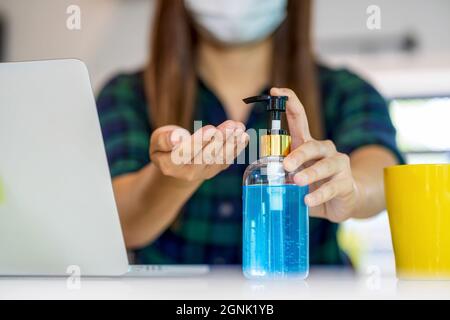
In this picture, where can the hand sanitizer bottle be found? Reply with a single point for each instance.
(275, 217)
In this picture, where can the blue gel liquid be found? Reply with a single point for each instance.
(275, 234)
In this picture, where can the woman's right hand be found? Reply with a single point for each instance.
(200, 156)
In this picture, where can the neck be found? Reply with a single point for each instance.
(234, 73)
(247, 63)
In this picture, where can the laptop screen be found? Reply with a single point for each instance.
(2, 38)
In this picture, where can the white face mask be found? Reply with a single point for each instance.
(235, 22)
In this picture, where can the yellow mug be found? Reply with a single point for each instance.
(418, 204)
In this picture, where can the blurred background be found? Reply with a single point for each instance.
(408, 60)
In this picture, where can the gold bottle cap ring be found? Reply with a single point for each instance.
(275, 145)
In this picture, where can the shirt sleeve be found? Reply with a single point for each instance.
(125, 125)
(362, 117)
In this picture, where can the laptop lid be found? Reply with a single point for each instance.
(57, 208)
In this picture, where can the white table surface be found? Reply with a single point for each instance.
(228, 283)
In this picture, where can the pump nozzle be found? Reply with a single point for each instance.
(275, 105)
(277, 142)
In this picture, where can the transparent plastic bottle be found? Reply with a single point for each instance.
(275, 217)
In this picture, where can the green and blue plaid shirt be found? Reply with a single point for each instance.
(209, 227)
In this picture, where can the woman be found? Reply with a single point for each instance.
(206, 56)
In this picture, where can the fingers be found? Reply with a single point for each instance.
(211, 151)
(242, 143)
(232, 131)
(204, 154)
(311, 150)
(234, 145)
(328, 191)
(188, 150)
(235, 141)
(231, 125)
(296, 117)
(322, 169)
(222, 141)
(165, 138)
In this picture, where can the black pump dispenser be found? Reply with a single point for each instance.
(275, 105)
(276, 142)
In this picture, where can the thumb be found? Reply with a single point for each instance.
(164, 139)
(296, 117)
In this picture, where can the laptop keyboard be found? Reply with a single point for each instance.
(166, 270)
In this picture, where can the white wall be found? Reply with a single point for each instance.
(114, 33)
(429, 19)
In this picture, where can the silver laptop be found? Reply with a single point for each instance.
(57, 208)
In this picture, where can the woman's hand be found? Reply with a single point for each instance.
(334, 193)
(198, 157)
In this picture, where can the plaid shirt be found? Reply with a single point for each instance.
(209, 227)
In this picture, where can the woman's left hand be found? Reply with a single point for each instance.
(334, 193)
